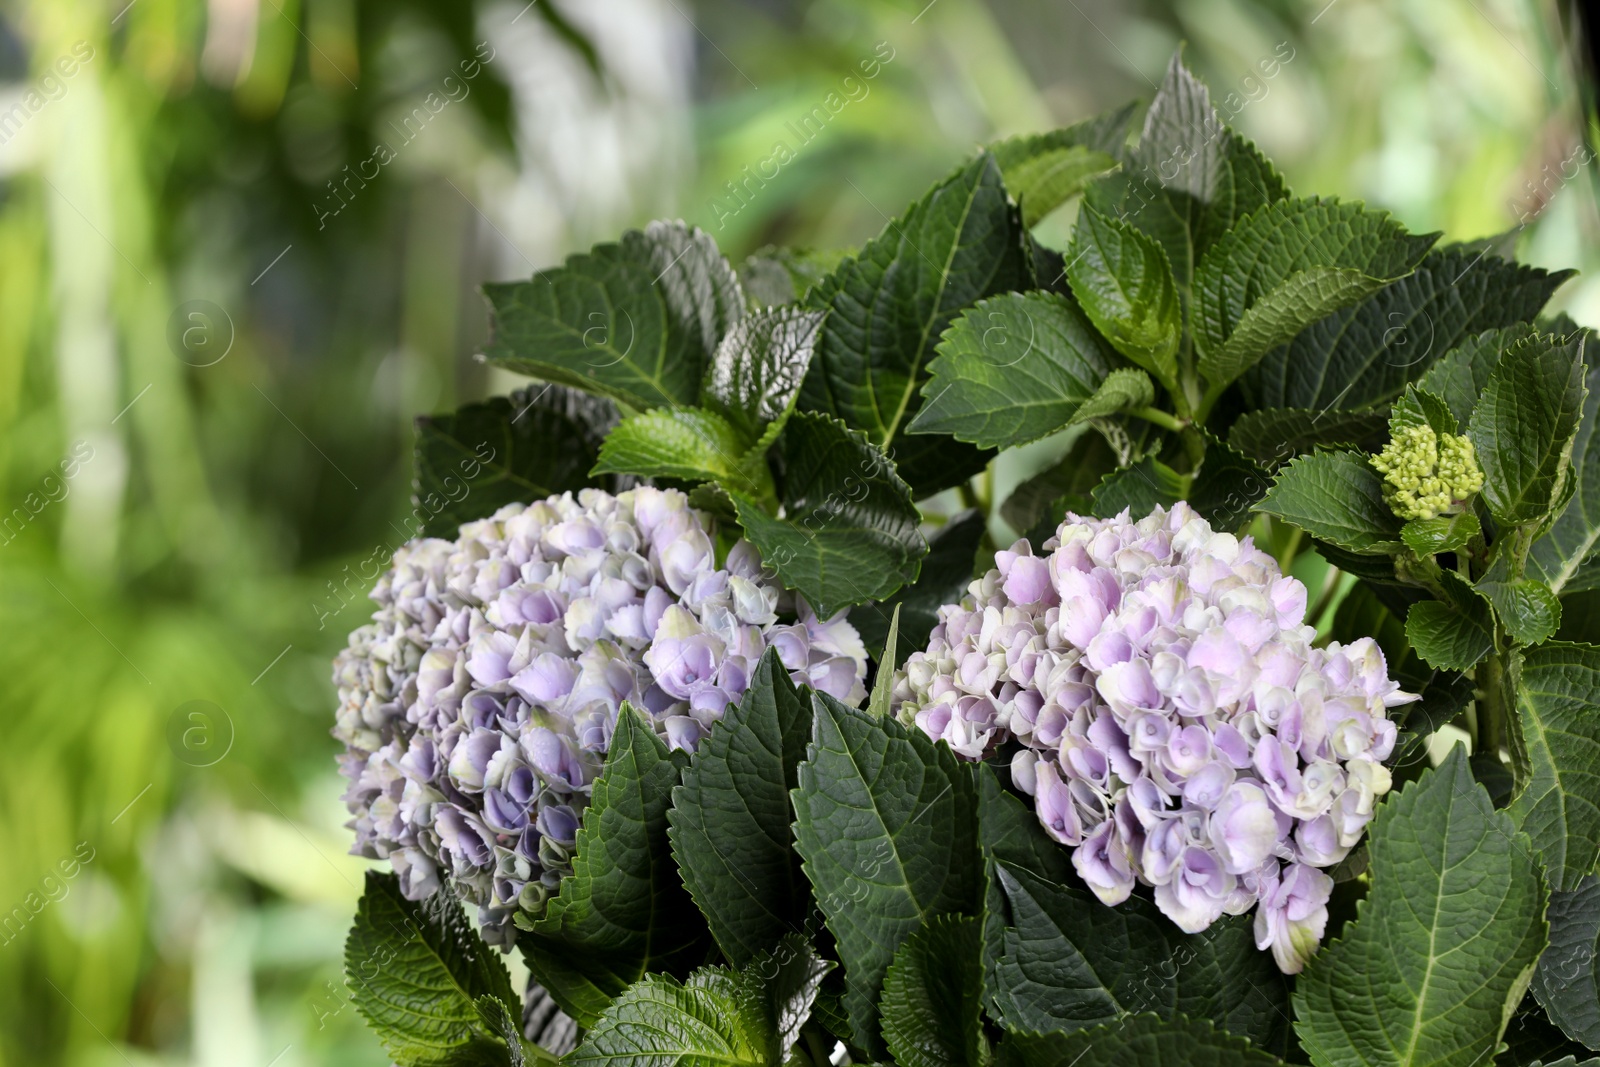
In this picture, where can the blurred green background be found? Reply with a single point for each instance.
(240, 243)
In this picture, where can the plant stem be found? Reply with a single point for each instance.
(1491, 707)
(1160, 418)
(1286, 559)
(818, 1052)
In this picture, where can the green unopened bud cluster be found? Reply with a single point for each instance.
(1426, 474)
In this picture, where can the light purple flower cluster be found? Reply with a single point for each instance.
(478, 704)
(1176, 725)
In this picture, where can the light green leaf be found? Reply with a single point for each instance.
(885, 823)
(888, 306)
(1574, 538)
(755, 373)
(1013, 369)
(1448, 639)
(1277, 435)
(1285, 267)
(622, 912)
(718, 1017)
(1419, 407)
(693, 444)
(1227, 486)
(1134, 1041)
(1556, 756)
(1524, 427)
(415, 969)
(1139, 489)
(1124, 284)
(1124, 389)
(729, 823)
(1567, 981)
(1526, 607)
(1443, 533)
(539, 441)
(1045, 170)
(1335, 497)
(933, 997)
(1460, 375)
(883, 685)
(1365, 355)
(635, 321)
(1444, 945)
(849, 530)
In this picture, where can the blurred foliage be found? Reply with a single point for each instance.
(206, 550)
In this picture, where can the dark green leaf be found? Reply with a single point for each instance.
(849, 531)
(1124, 284)
(1139, 489)
(729, 823)
(415, 969)
(1045, 170)
(636, 320)
(1535, 1040)
(1013, 369)
(1558, 556)
(1524, 426)
(1088, 460)
(1285, 267)
(1366, 354)
(885, 822)
(1444, 943)
(888, 306)
(1135, 1041)
(1277, 435)
(1443, 533)
(932, 463)
(691, 444)
(1556, 753)
(1335, 497)
(1461, 374)
(933, 997)
(946, 573)
(756, 371)
(623, 911)
(1227, 486)
(538, 442)
(1446, 637)
(1567, 981)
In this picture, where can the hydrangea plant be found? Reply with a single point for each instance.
(1258, 725)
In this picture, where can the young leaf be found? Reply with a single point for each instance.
(729, 823)
(693, 444)
(1556, 755)
(933, 997)
(1461, 374)
(1124, 284)
(635, 321)
(1013, 369)
(1277, 435)
(1191, 179)
(1443, 533)
(1285, 267)
(1045, 170)
(507, 1024)
(1526, 607)
(946, 573)
(884, 821)
(1447, 638)
(888, 306)
(1524, 426)
(622, 912)
(1335, 497)
(1419, 407)
(849, 531)
(1365, 355)
(1575, 536)
(1138, 489)
(883, 685)
(755, 373)
(1445, 942)
(1567, 981)
(414, 970)
(539, 441)
(1124, 389)
(1134, 1041)
(736, 1019)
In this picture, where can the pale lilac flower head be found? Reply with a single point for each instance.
(1156, 691)
(476, 708)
